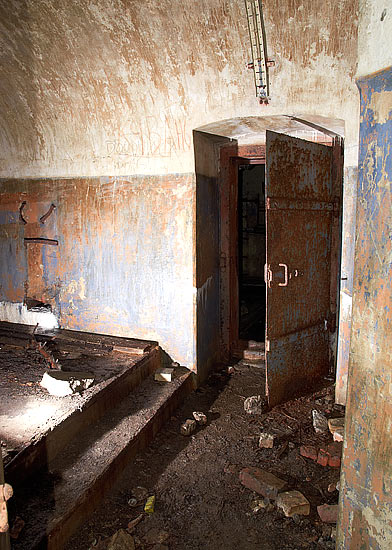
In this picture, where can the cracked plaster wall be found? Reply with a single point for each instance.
(114, 88)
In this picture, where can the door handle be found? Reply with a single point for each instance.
(286, 275)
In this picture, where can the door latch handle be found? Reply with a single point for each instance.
(286, 275)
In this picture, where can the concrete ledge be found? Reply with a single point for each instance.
(81, 476)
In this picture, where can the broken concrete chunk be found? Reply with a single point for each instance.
(338, 435)
(266, 440)
(336, 424)
(336, 427)
(320, 422)
(293, 503)
(328, 513)
(262, 482)
(164, 375)
(256, 404)
(121, 540)
(62, 383)
(258, 504)
(188, 427)
(200, 417)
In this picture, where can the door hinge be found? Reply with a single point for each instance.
(267, 345)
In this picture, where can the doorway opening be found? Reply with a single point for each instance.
(293, 317)
(251, 252)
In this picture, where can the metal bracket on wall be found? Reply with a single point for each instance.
(259, 63)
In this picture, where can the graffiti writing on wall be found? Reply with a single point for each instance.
(155, 137)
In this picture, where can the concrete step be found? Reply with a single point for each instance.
(72, 414)
(254, 354)
(56, 503)
(251, 351)
(251, 363)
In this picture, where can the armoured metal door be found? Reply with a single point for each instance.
(299, 218)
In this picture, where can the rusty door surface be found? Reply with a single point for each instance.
(299, 218)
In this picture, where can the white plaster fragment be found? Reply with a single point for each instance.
(61, 383)
(164, 375)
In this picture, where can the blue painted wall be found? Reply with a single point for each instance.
(366, 503)
(124, 263)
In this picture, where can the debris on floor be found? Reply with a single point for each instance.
(42, 348)
(132, 524)
(293, 503)
(221, 490)
(188, 427)
(327, 455)
(266, 440)
(140, 494)
(320, 422)
(149, 507)
(336, 427)
(200, 417)
(255, 404)
(16, 527)
(61, 383)
(121, 540)
(328, 513)
(156, 536)
(164, 375)
(262, 482)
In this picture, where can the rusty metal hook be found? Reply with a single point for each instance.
(48, 213)
(21, 212)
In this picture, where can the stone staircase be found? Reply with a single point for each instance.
(252, 353)
(60, 477)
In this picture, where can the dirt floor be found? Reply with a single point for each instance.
(200, 503)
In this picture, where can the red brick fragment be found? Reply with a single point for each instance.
(322, 458)
(328, 513)
(262, 482)
(309, 451)
(335, 454)
(334, 461)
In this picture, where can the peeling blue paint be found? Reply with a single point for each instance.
(365, 503)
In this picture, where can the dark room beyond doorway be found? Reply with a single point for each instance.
(251, 251)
